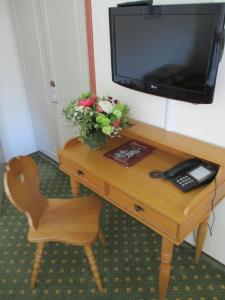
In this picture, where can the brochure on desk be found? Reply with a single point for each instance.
(130, 153)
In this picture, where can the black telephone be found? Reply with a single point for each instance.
(190, 174)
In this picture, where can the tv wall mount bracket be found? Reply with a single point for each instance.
(136, 3)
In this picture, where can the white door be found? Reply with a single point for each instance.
(64, 30)
(53, 44)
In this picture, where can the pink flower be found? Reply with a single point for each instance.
(86, 102)
(116, 123)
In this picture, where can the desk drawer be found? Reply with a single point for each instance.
(142, 213)
(90, 180)
(83, 176)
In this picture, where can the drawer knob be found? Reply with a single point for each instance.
(138, 208)
(80, 173)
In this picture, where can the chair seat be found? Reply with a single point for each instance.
(73, 221)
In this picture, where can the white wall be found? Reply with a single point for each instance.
(16, 130)
(205, 122)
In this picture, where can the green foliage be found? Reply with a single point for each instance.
(85, 95)
(101, 115)
(102, 120)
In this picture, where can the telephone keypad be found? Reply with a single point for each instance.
(184, 181)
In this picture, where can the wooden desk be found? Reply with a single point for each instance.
(156, 203)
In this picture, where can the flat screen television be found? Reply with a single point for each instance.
(172, 51)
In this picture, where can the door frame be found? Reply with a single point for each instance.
(90, 38)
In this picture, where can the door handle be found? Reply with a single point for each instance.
(52, 83)
(53, 92)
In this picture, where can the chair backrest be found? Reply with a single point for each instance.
(21, 182)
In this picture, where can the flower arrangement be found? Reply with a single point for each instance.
(97, 117)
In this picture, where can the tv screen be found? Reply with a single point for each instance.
(170, 51)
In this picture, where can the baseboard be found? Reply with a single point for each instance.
(207, 256)
(52, 155)
(43, 154)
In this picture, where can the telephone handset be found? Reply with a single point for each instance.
(190, 174)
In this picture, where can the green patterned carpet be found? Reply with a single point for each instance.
(128, 264)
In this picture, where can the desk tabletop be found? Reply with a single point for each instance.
(157, 194)
(175, 143)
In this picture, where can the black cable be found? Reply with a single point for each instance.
(210, 227)
(213, 212)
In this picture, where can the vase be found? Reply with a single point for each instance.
(95, 140)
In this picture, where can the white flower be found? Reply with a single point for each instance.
(106, 106)
(79, 108)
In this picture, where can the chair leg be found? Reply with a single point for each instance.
(37, 263)
(101, 237)
(90, 255)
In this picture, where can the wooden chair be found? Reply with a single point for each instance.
(71, 221)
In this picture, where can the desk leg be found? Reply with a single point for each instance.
(202, 229)
(75, 186)
(165, 266)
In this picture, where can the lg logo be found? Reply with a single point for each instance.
(154, 87)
